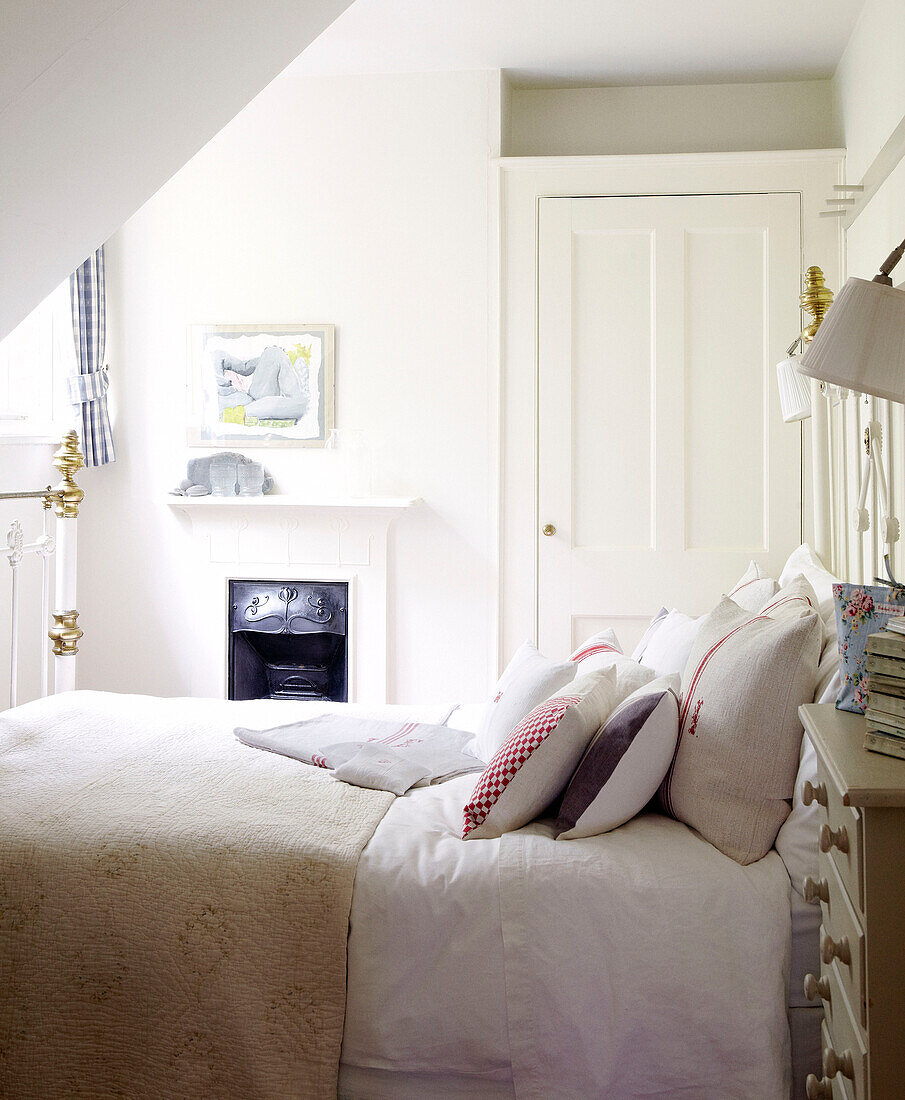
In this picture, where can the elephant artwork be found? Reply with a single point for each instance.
(267, 387)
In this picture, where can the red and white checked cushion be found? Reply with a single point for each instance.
(537, 759)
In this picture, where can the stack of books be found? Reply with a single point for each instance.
(886, 690)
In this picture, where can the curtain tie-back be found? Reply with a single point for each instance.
(88, 387)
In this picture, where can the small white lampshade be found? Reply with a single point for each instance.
(794, 391)
(860, 344)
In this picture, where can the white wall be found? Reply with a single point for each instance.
(680, 119)
(361, 201)
(869, 84)
(101, 102)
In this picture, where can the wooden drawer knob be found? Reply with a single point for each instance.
(816, 889)
(818, 1088)
(814, 792)
(834, 1063)
(832, 949)
(816, 987)
(833, 838)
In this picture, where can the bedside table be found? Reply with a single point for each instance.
(861, 888)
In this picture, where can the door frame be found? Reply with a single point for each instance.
(519, 183)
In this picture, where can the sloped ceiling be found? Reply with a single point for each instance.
(101, 101)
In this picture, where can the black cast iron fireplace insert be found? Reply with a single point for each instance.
(287, 640)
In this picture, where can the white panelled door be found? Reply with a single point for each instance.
(664, 463)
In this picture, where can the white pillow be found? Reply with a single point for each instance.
(753, 588)
(805, 562)
(796, 840)
(529, 679)
(535, 763)
(652, 628)
(624, 764)
(602, 650)
(596, 652)
(670, 646)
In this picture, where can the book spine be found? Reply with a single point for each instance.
(887, 645)
(888, 746)
(886, 666)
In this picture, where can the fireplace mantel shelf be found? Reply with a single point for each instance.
(289, 500)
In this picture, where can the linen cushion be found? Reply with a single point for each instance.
(753, 588)
(528, 679)
(668, 649)
(602, 650)
(530, 770)
(624, 764)
(652, 627)
(734, 769)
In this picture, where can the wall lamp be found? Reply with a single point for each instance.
(795, 391)
(861, 344)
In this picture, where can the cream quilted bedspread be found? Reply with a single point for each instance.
(173, 905)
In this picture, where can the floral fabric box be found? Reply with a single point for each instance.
(861, 610)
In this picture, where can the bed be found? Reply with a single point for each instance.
(181, 914)
(644, 960)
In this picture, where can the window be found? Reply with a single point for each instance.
(35, 361)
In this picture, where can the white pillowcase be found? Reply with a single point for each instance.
(624, 764)
(529, 679)
(796, 840)
(668, 650)
(753, 588)
(530, 770)
(602, 650)
(652, 628)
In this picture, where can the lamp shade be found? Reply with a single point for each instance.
(794, 391)
(861, 343)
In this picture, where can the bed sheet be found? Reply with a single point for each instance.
(552, 968)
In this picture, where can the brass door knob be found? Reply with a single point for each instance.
(548, 529)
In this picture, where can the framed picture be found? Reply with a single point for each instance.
(260, 385)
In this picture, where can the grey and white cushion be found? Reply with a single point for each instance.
(624, 764)
(528, 679)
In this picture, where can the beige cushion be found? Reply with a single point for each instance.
(739, 733)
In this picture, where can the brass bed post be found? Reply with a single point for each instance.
(67, 496)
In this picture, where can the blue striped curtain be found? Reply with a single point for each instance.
(88, 389)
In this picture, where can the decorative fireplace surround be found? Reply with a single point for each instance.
(294, 540)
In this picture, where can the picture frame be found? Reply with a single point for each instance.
(258, 385)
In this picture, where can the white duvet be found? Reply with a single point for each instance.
(638, 964)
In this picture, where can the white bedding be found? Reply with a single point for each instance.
(640, 963)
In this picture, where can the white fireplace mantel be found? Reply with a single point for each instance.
(301, 538)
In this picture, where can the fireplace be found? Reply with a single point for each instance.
(288, 640)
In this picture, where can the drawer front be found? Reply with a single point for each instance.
(843, 1036)
(838, 817)
(841, 926)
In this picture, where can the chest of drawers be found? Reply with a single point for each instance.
(861, 889)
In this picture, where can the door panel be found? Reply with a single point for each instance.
(663, 461)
